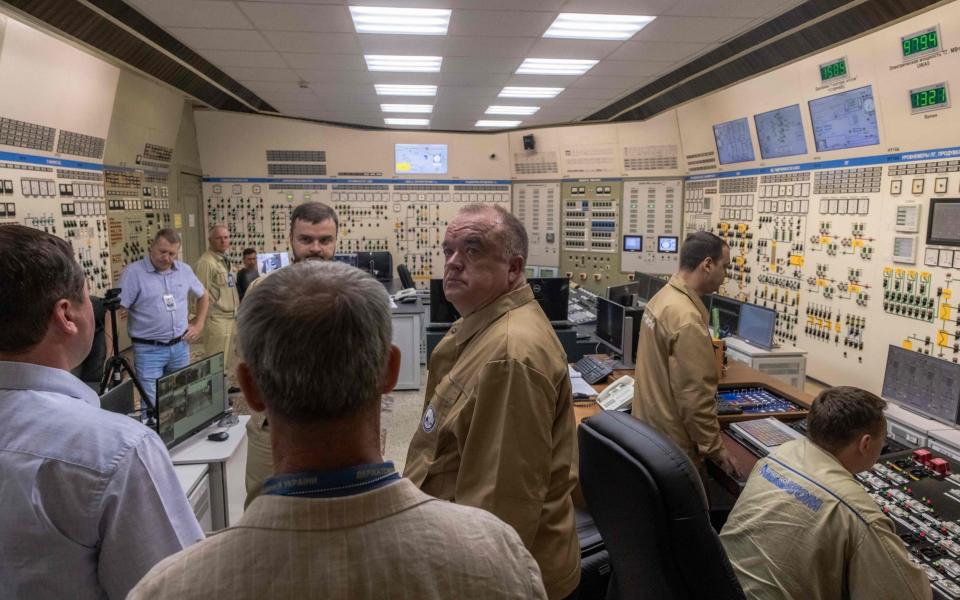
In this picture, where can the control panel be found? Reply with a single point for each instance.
(652, 233)
(591, 233)
(537, 205)
(756, 402)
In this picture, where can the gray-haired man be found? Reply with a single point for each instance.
(335, 520)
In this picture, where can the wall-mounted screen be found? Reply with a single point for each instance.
(632, 243)
(780, 132)
(922, 383)
(733, 141)
(943, 222)
(668, 244)
(845, 120)
(420, 159)
(271, 261)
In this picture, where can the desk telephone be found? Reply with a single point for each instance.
(618, 395)
(406, 296)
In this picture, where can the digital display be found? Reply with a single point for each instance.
(925, 384)
(756, 325)
(925, 41)
(780, 132)
(271, 261)
(610, 324)
(420, 159)
(632, 243)
(931, 97)
(190, 399)
(845, 120)
(943, 222)
(733, 141)
(833, 70)
(667, 244)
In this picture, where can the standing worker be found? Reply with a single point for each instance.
(249, 272)
(214, 271)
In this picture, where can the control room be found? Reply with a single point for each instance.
(499, 299)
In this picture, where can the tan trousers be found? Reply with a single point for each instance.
(259, 456)
(219, 336)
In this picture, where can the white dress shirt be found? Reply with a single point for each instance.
(89, 501)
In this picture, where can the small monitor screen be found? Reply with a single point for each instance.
(610, 324)
(632, 243)
(548, 272)
(349, 258)
(780, 132)
(943, 227)
(190, 399)
(378, 264)
(441, 311)
(733, 141)
(925, 384)
(421, 159)
(845, 120)
(728, 314)
(553, 295)
(757, 325)
(643, 285)
(271, 261)
(656, 284)
(624, 294)
(667, 244)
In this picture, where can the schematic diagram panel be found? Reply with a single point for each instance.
(537, 205)
(652, 226)
(591, 233)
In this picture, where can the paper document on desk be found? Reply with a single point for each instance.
(581, 389)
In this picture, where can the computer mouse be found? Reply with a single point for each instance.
(218, 436)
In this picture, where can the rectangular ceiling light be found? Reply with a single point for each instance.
(489, 123)
(512, 110)
(597, 27)
(390, 89)
(555, 66)
(407, 108)
(408, 122)
(409, 64)
(529, 92)
(404, 21)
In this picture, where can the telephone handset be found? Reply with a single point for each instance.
(618, 395)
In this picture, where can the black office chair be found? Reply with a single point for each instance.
(406, 280)
(648, 503)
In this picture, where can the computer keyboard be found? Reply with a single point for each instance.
(593, 369)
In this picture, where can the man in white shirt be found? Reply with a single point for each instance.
(89, 498)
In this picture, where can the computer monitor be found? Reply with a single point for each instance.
(546, 272)
(349, 258)
(924, 384)
(728, 311)
(379, 264)
(627, 293)
(119, 399)
(757, 325)
(553, 295)
(190, 399)
(610, 324)
(633, 243)
(668, 244)
(656, 284)
(441, 311)
(271, 261)
(635, 316)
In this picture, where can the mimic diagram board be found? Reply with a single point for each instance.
(537, 205)
(406, 219)
(652, 216)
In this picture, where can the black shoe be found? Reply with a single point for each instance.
(233, 390)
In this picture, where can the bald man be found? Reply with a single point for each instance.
(217, 275)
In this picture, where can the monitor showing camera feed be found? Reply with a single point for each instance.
(349, 258)
(190, 399)
(728, 314)
(845, 120)
(780, 132)
(271, 261)
(668, 244)
(553, 295)
(421, 159)
(757, 325)
(923, 383)
(626, 293)
(441, 311)
(733, 141)
(943, 222)
(633, 243)
(610, 324)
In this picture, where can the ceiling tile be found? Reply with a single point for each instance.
(298, 17)
(629, 68)
(474, 64)
(415, 45)
(726, 8)
(461, 78)
(505, 47)
(561, 48)
(612, 83)
(620, 7)
(239, 58)
(657, 51)
(321, 62)
(312, 76)
(340, 89)
(456, 92)
(411, 78)
(543, 80)
(541, 5)
(690, 29)
(193, 13)
(220, 39)
(500, 23)
(592, 93)
(333, 43)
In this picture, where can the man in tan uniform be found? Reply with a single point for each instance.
(497, 429)
(804, 528)
(214, 271)
(676, 377)
(313, 236)
(336, 521)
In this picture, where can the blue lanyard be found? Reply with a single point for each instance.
(332, 484)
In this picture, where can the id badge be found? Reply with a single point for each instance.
(169, 302)
(231, 280)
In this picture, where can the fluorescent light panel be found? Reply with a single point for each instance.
(399, 63)
(596, 27)
(392, 121)
(404, 21)
(555, 66)
(512, 110)
(529, 92)
(493, 123)
(407, 108)
(391, 89)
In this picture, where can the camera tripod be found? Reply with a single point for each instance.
(117, 365)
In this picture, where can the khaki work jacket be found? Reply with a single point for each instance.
(220, 282)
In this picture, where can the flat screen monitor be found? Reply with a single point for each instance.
(845, 120)
(668, 244)
(625, 294)
(943, 223)
(349, 258)
(553, 295)
(190, 399)
(441, 311)
(728, 313)
(271, 261)
(548, 272)
(420, 159)
(633, 243)
(780, 132)
(923, 383)
(119, 399)
(733, 141)
(378, 264)
(610, 324)
(757, 325)
(656, 284)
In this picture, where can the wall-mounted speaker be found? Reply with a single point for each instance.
(528, 142)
